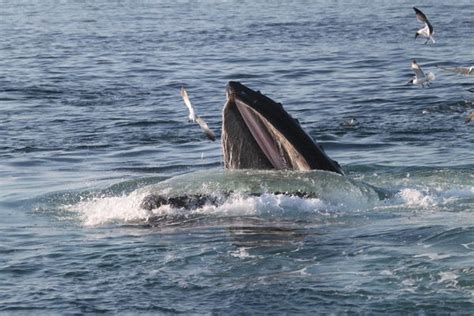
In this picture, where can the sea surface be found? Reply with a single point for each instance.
(91, 117)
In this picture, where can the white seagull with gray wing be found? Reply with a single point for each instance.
(427, 29)
(420, 78)
(196, 119)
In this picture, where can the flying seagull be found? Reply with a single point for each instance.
(468, 71)
(196, 119)
(427, 29)
(420, 77)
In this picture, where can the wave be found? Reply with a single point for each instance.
(266, 196)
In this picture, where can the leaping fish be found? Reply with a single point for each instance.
(420, 77)
(467, 71)
(195, 118)
(427, 30)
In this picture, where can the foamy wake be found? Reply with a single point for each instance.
(102, 210)
(414, 197)
(126, 209)
(431, 198)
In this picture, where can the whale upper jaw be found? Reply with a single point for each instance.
(257, 133)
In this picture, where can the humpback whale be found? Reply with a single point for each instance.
(257, 134)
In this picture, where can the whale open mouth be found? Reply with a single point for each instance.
(257, 133)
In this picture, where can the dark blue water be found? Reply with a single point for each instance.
(90, 112)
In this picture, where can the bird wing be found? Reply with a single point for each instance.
(420, 16)
(458, 70)
(417, 70)
(430, 27)
(205, 128)
(184, 94)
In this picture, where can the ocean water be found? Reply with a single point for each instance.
(91, 118)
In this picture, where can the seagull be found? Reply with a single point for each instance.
(469, 117)
(420, 77)
(196, 119)
(468, 71)
(427, 29)
(350, 123)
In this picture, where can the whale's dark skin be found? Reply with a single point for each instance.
(194, 201)
(257, 133)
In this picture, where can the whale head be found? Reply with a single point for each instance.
(257, 133)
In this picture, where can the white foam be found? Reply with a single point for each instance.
(266, 205)
(433, 256)
(386, 273)
(431, 198)
(416, 198)
(448, 277)
(103, 210)
(126, 209)
(241, 253)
